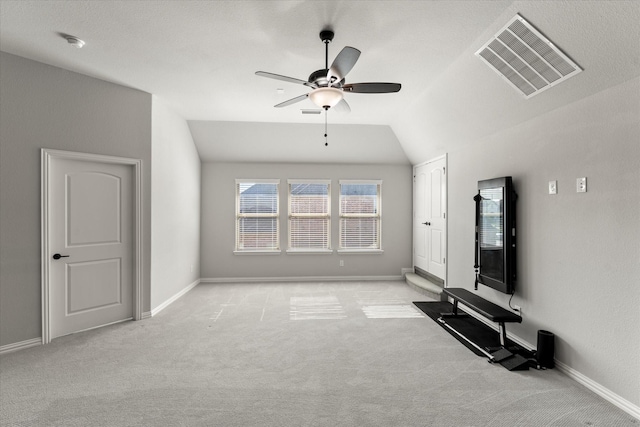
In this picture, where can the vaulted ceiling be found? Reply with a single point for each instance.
(200, 58)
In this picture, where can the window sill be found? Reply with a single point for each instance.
(257, 252)
(309, 251)
(361, 251)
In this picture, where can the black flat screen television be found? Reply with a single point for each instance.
(496, 234)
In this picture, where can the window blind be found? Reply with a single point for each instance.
(309, 215)
(257, 212)
(360, 219)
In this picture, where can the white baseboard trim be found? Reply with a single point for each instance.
(404, 271)
(168, 302)
(598, 389)
(145, 315)
(20, 345)
(595, 387)
(299, 279)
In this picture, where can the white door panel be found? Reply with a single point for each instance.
(435, 201)
(420, 232)
(429, 225)
(421, 245)
(93, 285)
(436, 247)
(91, 215)
(436, 219)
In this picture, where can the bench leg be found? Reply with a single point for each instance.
(503, 334)
(454, 311)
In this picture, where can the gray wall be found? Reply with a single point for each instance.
(578, 253)
(218, 222)
(44, 106)
(175, 203)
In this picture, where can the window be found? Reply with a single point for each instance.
(309, 215)
(360, 219)
(257, 216)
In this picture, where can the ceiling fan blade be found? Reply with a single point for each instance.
(292, 100)
(342, 107)
(343, 63)
(285, 78)
(372, 87)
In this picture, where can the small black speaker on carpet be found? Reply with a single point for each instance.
(546, 349)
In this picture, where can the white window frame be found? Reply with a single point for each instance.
(325, 216)
(259, 251)
(377, 214)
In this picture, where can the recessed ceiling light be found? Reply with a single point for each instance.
(74, 41)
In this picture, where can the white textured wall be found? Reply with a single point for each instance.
(44, 106)
(218, 222)
(175, 203)
(578, 253)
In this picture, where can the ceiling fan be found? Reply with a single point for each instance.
(328, 84)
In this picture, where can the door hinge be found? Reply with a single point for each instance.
(444, 215)
(444, 260)
(444, 170)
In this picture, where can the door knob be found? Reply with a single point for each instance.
(58, 256)
(426, 223)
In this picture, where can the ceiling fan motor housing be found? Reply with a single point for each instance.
(326, 36)
(319, 77)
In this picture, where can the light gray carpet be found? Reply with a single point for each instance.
(286, 354)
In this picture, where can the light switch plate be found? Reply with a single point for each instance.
(553, 187)
(581, 185)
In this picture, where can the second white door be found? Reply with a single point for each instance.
(429, 217)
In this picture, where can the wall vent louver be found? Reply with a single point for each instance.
(527, 59)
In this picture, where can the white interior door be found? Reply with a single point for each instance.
(430, 223)
(91, 227)
(420, 208)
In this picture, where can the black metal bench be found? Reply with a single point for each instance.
(491, 311)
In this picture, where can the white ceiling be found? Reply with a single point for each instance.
(200, 58)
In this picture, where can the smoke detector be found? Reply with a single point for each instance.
(526, 59)
(74, 41)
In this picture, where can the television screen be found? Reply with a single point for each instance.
(495, 213)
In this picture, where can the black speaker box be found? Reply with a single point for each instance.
(546, 349)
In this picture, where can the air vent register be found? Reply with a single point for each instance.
(526, 59)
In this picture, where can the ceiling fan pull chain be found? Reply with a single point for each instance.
(326, 142)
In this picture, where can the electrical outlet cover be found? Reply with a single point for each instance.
(581, 185)
(553, 187)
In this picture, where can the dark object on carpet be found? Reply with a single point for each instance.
(475, 330)
(546, 349)
(517, 363)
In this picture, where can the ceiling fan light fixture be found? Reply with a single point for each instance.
(326, 97)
